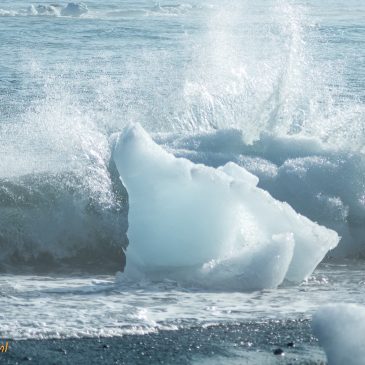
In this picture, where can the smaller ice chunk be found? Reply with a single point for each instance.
(341, 332)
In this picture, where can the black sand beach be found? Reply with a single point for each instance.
(273, 342)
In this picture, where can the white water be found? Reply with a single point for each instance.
(340, 329)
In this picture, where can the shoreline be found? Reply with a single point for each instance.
(245, 343)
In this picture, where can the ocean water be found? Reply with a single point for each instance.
(276, 86)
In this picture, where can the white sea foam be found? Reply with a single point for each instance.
(341, 331)
(214, 221)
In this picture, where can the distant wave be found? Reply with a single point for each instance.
(156, 10)
(74, 9)
(70, 10)
(248, 95)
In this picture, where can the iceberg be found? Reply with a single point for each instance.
(341, 332)
(212, 227)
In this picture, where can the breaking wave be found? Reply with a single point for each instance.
(70, 10)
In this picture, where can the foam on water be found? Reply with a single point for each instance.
(102, 306)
